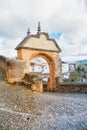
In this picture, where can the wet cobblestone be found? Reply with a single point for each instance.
(22, 109)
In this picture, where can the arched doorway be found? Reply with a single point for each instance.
(39, 66)
(3, 76)
(51, 86)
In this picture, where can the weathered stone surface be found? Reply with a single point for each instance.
(2, 74)
(14, 69)
(35, 82)
(72, 87)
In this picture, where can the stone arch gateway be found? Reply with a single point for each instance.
(41, 45)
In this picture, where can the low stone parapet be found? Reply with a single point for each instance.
(72, 87)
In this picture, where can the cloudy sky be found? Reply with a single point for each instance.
(64, 20)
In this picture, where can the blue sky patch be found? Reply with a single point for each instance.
(55, 35)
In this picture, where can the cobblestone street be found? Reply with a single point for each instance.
(22, 109)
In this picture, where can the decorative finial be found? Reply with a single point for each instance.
(39, 29)
(28, 32)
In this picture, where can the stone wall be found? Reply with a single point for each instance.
(2, 74)
(14, 69)
(72, 87)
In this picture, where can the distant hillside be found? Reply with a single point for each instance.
(82, 61)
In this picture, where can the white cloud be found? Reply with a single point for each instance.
(7, 47)
(66, 16)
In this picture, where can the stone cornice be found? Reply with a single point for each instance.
(36, 49)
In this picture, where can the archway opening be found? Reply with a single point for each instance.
(3, 76)
(39, 66)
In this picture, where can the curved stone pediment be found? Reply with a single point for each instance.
(41, 42)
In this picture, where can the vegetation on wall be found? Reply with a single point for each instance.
(78, 74)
